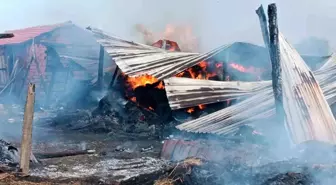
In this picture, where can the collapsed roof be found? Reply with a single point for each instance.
(229, 119)
(135, 59)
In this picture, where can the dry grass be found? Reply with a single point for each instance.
(165, 181)
(192, 162)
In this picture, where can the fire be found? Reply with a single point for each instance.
(160, 86)
(252, 70)
(201, 106)
(182, 34)
(201, 71)
(133, 99)
(190, 110)
(135, 82)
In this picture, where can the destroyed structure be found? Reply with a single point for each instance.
(210, 104)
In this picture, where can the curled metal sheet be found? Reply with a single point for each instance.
(308, 116)
(135, 59)
(187, 92)
(203, 91)
(258, 106)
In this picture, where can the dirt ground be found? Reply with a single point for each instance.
(113, 161)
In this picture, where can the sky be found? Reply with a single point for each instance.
(214, 22)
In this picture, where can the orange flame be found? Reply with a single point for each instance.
(160, 86)
(133, 99)
(201, 74)
(243, 69)
(181, 34)
(201, 106)
(135, 82)
(190, 110)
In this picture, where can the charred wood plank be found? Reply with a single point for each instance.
(26, 143)
(115, 74)
(100, 80)
(6, 35)
(263, 25)
(274, 50)
(63, 154)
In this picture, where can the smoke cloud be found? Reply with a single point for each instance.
(212, 22)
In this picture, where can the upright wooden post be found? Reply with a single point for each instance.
(26, 143)
(274, 50)
(100, 80)
(115, 74)
(263, 25)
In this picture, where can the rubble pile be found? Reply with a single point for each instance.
(131, 121)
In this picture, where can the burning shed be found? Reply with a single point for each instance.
(57, 58)
(161, 67)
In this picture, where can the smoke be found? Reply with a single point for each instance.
(181, 34)
(213, 22)
(196, 25)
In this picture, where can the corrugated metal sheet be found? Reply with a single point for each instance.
(308, 115)
(258, 106)
(187, 92)
(254, 108)
(26, 34)
(135, 59)
(202, 93)
(229, 119)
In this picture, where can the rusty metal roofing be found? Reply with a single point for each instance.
(23, 35)
(135, 59)
(187, 92)
(229, 119)
(308, 115)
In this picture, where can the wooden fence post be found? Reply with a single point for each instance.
(100, 80)
(26, 143)
(274, 50)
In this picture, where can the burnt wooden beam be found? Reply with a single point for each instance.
(26, 143)
(25, 75)
(274, 50)
(63, 154)
(263, 25)
(115, 74)
(6, 35)
(100, 81)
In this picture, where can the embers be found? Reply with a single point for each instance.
(148, 93)
(209, 70)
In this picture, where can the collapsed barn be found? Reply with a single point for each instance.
(206, 102)
(58, 58)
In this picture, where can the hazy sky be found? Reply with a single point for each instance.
(215, 22)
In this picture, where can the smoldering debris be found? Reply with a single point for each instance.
(130, 122)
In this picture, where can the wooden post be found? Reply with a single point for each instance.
(100, 80)
(115, 74)
(263, 25)
(274, 50)
(26, 143)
